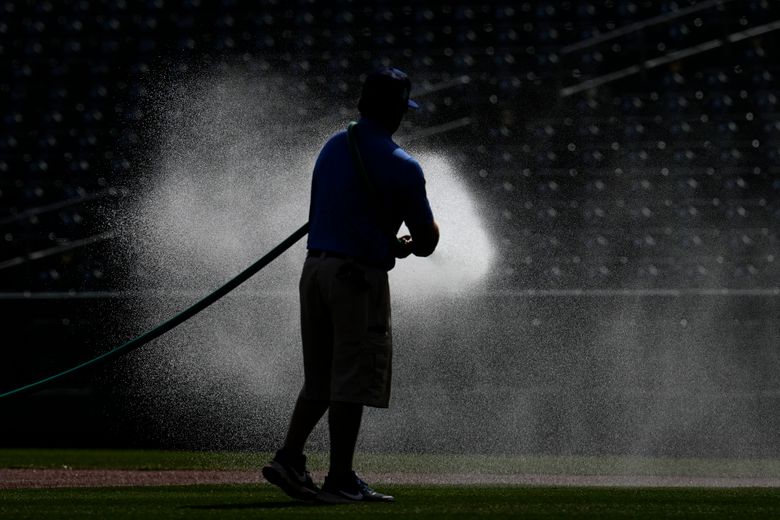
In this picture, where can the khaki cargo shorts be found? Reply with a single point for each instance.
(346, 332)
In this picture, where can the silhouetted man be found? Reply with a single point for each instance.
(364, 187)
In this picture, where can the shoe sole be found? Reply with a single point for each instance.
(273, 476)
(330, 498)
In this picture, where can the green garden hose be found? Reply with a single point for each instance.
(164, 327)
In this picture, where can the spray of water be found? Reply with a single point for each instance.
(466, 253)
(232, 180)
(473, 373)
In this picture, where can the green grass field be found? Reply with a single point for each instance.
(264, 501)
(242, 501)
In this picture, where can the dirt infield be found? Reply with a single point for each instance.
(51, 478)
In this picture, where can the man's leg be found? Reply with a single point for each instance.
(344, 425)
(362, 350)
(342, 485)
(288, 467)
(305, 416)
(317, 343)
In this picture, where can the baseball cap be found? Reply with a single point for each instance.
(386, 88)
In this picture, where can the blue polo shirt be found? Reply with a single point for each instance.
(342, 215)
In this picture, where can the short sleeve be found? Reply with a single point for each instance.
(415, 206)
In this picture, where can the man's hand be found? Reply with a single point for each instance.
(425, 239)
(404, 247)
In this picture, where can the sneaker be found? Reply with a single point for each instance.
(349, 490)
(288, 472)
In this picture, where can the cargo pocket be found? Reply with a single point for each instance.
(376, 357)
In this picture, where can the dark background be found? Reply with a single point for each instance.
(661, 173)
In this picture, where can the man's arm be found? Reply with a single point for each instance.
(417, 215)
(425, 239)
(422, 242)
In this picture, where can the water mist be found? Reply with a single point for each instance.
(475, 371)
(232, 181)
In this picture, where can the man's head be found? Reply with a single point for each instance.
(385, 97)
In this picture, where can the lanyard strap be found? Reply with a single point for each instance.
(376, 203)
(360, 166)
